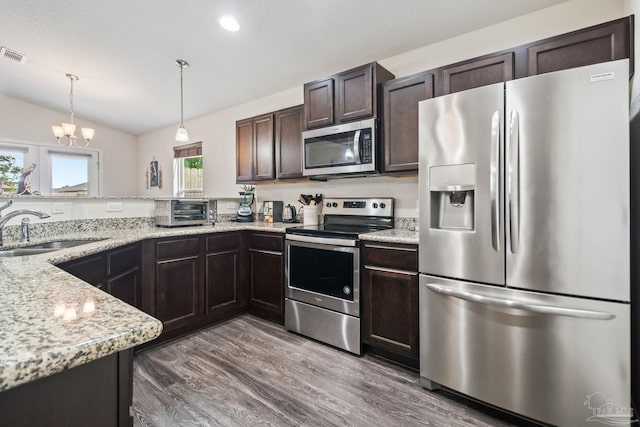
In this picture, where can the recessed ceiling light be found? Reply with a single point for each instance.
(229, 23)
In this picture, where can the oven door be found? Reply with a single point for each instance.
(323, 272)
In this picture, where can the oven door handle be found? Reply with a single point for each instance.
(322, 240)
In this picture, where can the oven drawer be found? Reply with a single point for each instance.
(337, 329)
(401, 257)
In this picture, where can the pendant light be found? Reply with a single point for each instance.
(181, 134)
(65, 132)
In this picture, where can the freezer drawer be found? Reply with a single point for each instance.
(536, 355)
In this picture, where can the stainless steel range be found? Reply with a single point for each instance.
(322, 270)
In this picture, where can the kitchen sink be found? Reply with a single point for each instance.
(42, 248)
(60, 244)
(25, 252)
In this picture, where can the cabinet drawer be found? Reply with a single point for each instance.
(178, 248)
(123, 259)
(402, 257)
(266, 241)
(223, 242)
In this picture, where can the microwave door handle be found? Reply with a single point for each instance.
(356, 147)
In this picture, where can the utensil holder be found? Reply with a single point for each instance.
(310, 215)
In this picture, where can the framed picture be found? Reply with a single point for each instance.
(153, 173)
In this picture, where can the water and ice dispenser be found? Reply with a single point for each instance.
(452, 193)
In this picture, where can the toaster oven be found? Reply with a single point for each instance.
(182, 212)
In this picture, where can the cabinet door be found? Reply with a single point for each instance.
(223, 285)
(606, 42)
(355, 94)
(244, 150)
(177, 292)
(318, 103)
(126, 287)
(478, 72)
(390, 310)
(400, 114)
(91, 269)
(266, 278)
(123, 274)
(289, 125)
(263, 148)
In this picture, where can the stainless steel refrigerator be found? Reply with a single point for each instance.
(524, 245)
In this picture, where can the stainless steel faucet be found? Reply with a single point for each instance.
(13, 214)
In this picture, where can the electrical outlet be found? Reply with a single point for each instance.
(114, 206)
(57, 208)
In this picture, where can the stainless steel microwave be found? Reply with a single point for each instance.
(180, 212)
(342, 149)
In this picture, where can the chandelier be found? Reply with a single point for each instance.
(181, 134)
(65, 132)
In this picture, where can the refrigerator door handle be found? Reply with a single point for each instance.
(495, 181)
(508, 303)
(513, 183)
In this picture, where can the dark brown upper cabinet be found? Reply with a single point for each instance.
(255, 149)
(605, 42)
(318, 103)
(355, 96)
(244, 150)
(289, 125)
(400, 112)
(478, 72)
(264, 148)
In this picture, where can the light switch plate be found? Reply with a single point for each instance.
(114, 206)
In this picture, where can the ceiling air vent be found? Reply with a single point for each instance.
(12, 55)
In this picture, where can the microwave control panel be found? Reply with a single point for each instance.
(366, 148)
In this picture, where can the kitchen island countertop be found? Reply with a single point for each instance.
(51, 321)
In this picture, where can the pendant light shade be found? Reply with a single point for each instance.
(65, 132)
(181, 134)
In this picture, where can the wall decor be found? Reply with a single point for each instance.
(153, 173)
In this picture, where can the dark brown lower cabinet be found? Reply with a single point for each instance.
(266, 278)
(178, 282)
(390, 301)
(225, 295)
(97, 394)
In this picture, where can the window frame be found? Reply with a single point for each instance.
(41, 155)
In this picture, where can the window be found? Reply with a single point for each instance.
(55, 171)
(69, 174)
(12, 160)
(187, 171)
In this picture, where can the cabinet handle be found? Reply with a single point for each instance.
(391, 248)
(391, 270)
(266, 252)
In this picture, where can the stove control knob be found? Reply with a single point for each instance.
(346, 290)
(375, 206)
(334, 204)
(328, 204)
(382, 205)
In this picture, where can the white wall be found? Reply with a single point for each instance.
(217, 130)
(27, 122)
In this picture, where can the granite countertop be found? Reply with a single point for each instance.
(51, 321)
(394, 235)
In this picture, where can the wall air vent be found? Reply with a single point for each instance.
(12, 55)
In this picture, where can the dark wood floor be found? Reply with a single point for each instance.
(249, 372)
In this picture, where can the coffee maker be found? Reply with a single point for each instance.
(245, 210)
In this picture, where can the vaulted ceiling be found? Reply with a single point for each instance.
(124, 51)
